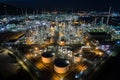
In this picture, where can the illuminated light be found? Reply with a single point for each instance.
(69, 51)
(118, 42)
(61, 34)
(80, 51)
(52, 28)
(60, 25)
(28, 56)
(53, 53)
(81, 72)
(76, 76)
(61, 79)
(25, 59)
(14, 18)
(41, 50)
(75, 22)
(100, 53)
(96, 48)
(37, 22)
(53, 23)
(43, 23)
(107, 46)
(96, 53)
(103, 47)
(2, 29)
(108, 51)
(36, 48)
(80, 55)
(87, 44)
(35, 54)
(75, 53)
(67, 62)
(62, 43)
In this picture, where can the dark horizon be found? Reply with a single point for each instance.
(83, 5)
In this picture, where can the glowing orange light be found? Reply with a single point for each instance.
(36, 48)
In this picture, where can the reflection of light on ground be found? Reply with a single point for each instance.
(54, 77)
(81, 67)
(29, 56)
(98, 52)
(40, 65)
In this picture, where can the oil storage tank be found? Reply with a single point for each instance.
(77, 58)
(48, 57)
(61, 65)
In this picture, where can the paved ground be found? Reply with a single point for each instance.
(10, 69)
(109, 71)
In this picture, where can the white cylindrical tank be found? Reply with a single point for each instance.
(61, 65)
(77, 58)
(48, 57)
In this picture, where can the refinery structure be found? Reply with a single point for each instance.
(61, 48)
(59, 45)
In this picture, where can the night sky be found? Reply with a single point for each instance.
(101, 5)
